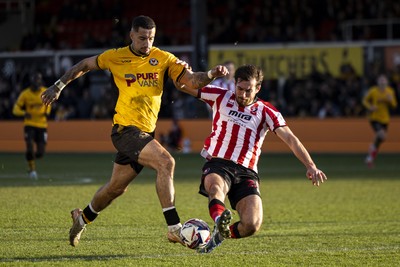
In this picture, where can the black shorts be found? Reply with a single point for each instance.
(242, 181)
(377, 126)
(129, 142)
(35, 134)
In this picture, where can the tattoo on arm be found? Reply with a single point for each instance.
(199, 80)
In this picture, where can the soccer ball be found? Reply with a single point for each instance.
(195, 233)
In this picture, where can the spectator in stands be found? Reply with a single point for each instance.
(5, 105)
(84, 105)
(175, 136)
(227, 81)
(276, 22)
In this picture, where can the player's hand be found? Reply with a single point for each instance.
(50, 95)
(219, 71)
(316, 176)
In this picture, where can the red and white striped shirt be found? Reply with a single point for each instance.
(238, 132)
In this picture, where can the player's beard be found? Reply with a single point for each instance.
(145, 53)
(242, 102)
(139, 51)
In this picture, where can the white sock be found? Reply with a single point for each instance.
(169, 208)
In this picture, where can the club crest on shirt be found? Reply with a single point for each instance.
(153, 62)
(230, 103)
(253, 109)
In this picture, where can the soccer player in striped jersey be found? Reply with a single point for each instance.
(29, 105)
(139, 71)
(240, 124)
(378, 101)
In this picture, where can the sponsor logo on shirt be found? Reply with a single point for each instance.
(144, 79)
(239, 118)
(240, 115)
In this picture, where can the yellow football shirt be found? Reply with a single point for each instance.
(379, 99)
(30, 102)
(140, 81)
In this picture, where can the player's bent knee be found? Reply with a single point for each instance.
(381, 135)
(251, 228)
(166, 161)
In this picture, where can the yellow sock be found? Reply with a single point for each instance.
(31, 164)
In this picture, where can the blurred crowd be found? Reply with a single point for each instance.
(316, 95)
(272, 21)
(323, 96)
(73, 24)
(105, 23)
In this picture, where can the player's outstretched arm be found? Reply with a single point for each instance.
(196, 80)
(313, 173)
(81, 68)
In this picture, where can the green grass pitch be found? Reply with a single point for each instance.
(351, 220)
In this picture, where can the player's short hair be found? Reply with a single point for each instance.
(248, 72)
(144, 22)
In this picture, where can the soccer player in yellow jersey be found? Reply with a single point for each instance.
(29, 105)
(139, 71)
(378, 101)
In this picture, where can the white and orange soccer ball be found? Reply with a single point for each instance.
(195, 233)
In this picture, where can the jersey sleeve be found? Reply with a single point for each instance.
(19, 106)
(393, 103)
(104, 58)
(175, 71)
(210, 93)
(274, 119)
